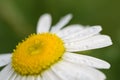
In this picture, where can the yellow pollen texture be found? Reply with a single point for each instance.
(37, 53)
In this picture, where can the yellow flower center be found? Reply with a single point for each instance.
(37, 53)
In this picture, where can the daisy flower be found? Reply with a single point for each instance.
(50, 53)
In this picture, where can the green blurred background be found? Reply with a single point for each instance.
(18, 19)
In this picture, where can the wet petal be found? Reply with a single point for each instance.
(69, 71)
(86, 60)
(94, 42)
(83, 34)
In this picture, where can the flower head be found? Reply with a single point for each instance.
(50, 54)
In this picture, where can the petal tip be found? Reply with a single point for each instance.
(44, 23)
(98, 27)
(109, 40)
(46, 15)
(107, 65)
(68, 16)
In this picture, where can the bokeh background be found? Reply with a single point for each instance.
(18, 19)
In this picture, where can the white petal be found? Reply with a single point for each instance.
(94, 42)
(6, 73)
(86, 60)
(14, 75)
(70, 30)
(83, 34)
(5, 59)
(49, 75)
(44, 23)
(24, 78)
(63, 21)
(45, 77)
(69, 71)
(18, 77)
(30, 77)
(38, 77)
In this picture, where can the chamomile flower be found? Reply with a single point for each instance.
(50, 53)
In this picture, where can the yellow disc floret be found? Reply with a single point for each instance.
(37, 53)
